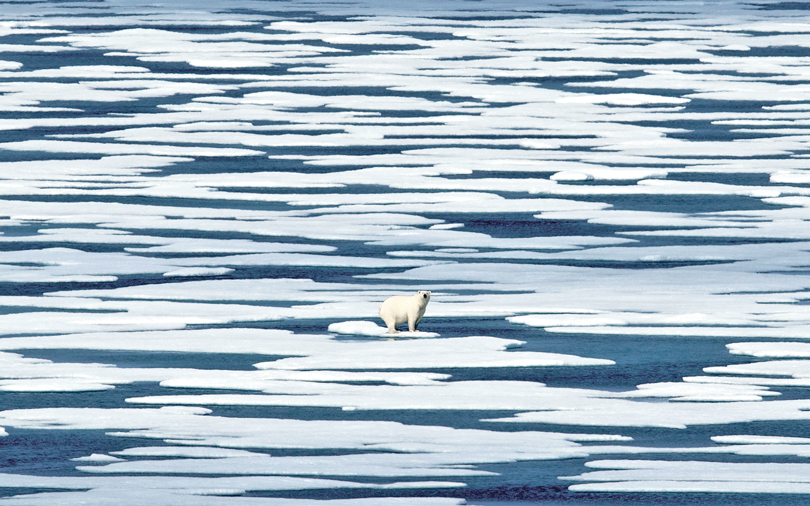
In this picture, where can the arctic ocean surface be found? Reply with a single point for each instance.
(203, 204)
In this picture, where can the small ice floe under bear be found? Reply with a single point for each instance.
(402, 308)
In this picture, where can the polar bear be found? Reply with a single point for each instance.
(402, 308)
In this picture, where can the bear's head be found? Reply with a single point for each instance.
(424, 296)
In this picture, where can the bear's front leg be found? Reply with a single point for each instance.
(412, 323)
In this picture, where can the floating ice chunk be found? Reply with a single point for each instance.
(71, 170)
(179, 486)
(750, 380)
(225, 62)
(418, 450)
(378, 465)
(367, 328)
(267, 380)
(109, 148)
(98, 457)
(478, 351)
(769, 447)
(693, 476)
(253, 341)
(625, 99)
(789, 177)
(571, 176)
(702, 331)
(232, 50)
(113, 493)
(663, 485)
(700, 392)
(34, 375)
(90, 71)
(794, 368)
(187, 426)
(771, 350)
(221, 290)
(55, 384)
(191, 245)
(34, 277)
(199, 271)
(83, 235)
(106, 91)
(100, 418)
(320, 356)
(609, 174)
(361, 328)
(471, 395)
(759, 440)
(563, 320)
(143, 315)
(200, 452)
(613, 412)
(35, 48)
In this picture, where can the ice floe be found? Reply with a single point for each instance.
(693, 476)
(621, 413)
(97, 458)
(771, 350)
(567, 406)
(210, 497)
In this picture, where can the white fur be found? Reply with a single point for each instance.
(401, 308)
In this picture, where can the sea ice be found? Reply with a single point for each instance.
(613, 129)
(98, 458)
(367, 328)
(693, 476)
(199, 271)
(771, 350)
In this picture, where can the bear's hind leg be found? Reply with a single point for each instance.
(392, 326)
